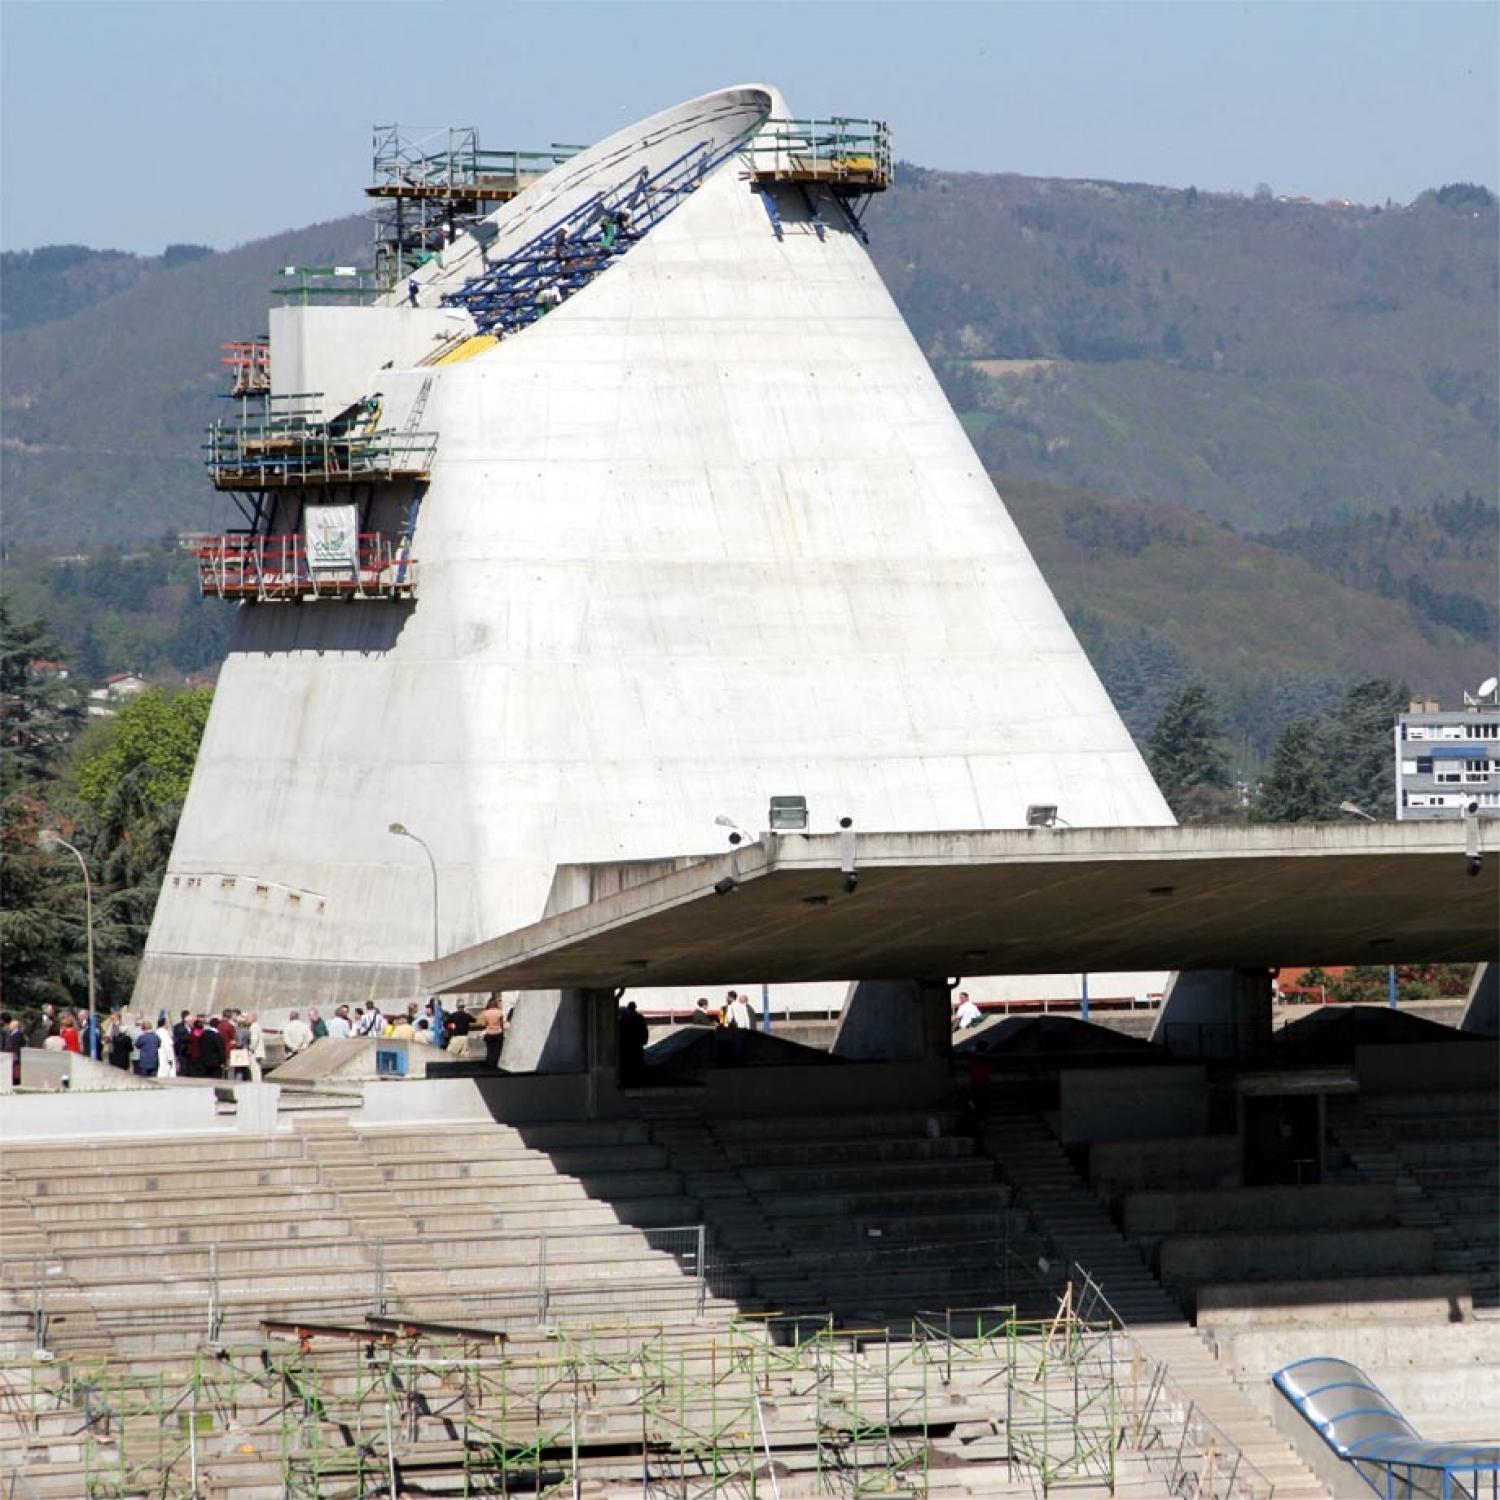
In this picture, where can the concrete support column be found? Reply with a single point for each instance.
(548, 1033)
(602, 1021)
(1482, 1012)
(895, 1020)
(1211, 1014)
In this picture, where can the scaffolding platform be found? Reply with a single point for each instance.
(249, 361)
(430, 183)
(278, 569)
(276, 443)
(850, 156)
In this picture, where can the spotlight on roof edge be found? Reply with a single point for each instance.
(1042, 815)
(788, 815)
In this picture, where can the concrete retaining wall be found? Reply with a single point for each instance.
(1432, 1300)
(1458, 1064)
(1194, 1259)
(1120, 1167)
(39, 1117)
(1132, 1103)
(1445, 1380)
(1257, 1208)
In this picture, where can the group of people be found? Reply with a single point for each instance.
(198, 1046)
(734, 1014)
(233, 1045)
(432, 1026)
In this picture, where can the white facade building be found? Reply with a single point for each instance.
(1447, 762)
(706, 532)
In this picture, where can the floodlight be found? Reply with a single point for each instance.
(788, 815)
(1356, 811)
(1041, 815)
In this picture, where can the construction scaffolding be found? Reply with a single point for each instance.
(279, 442)
(431, 183)
(390, 1405)
(571, 250)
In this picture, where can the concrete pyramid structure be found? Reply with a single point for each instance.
(707, 532)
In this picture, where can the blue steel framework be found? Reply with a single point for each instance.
(573, 249)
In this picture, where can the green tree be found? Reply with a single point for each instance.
(1296, 787)
(1187, 756)
(41, 922)
(154, 744)
(1361, 752)
(39, 709)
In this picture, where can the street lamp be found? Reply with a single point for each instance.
(50, 838)
(1354, 810)
(402, 831)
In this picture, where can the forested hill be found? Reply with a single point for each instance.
(1317, 380)
(1265, 362)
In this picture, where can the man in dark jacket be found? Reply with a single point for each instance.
(211, 1053)
(182, 1045)
(11, 1043)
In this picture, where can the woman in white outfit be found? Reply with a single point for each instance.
(166, 1057)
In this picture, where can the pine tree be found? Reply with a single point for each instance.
(39, 709)
(1296, 787)
(1361, 749)
(1187, 757)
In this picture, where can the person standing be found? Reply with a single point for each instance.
(439, 1021)
(68, 1031)
(702, 1015)
(492, 1024)
(147, 1054)
(211, 1052)
(256, 1046)
(739, 1012)
(182, 1045)
(459, 1024)
(634, 1034)
(338, 1023)
(166, 1052)
(296, 1035)
(12, 1042)
(319, 1025)
(44, 1026)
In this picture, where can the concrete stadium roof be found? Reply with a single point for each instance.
(1015, 901)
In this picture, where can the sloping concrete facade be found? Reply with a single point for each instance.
(707, 532)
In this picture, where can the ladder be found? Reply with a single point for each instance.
(418, 407)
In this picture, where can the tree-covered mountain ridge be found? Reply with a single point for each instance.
(1318, 380)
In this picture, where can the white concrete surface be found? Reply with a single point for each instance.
(708, 532)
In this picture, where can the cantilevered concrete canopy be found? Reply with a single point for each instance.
(1012, 902)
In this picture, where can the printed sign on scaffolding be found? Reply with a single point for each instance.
(332, 537)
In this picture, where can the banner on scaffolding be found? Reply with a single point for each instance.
(332, 533)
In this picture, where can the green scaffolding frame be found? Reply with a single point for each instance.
(700, 1411)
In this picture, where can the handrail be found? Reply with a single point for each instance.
(239, 565)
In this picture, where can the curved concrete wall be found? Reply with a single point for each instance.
(708, 532)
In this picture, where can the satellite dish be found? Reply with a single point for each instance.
(1488, 686)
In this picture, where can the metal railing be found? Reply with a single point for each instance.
(1177, 1439)
(841, 152)
(279, 451)
(206, 1293)
(277, 568)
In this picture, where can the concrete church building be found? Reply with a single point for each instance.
(661, 513)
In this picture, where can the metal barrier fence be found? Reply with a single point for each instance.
(1178, 1440)
(204, 1291)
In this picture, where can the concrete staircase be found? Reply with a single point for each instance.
(1032, 1158)
(1438, 1153)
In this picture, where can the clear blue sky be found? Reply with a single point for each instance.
(133, 125)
